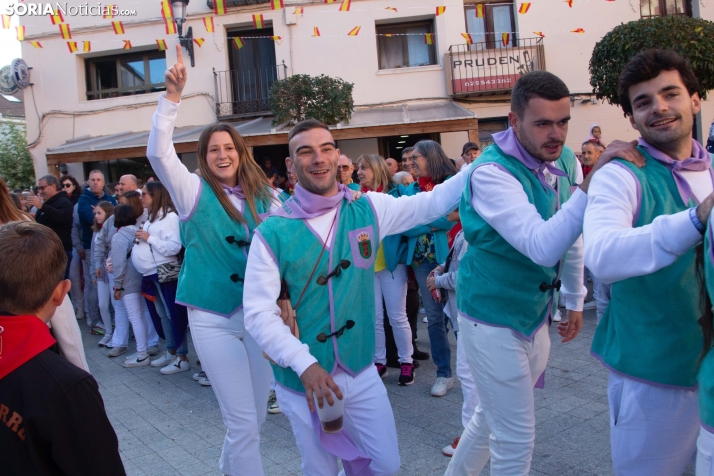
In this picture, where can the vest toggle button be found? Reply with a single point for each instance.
(235, 278)
(322, 337)
(232, 240)
(544, 287)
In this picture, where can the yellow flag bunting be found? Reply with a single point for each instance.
(208, 23)
(346, 4)
(56, 17)
(20, 30)
(72, 45)
(505, 39)
(219, 7)
(118, 28)
(578, 30)
(161, 44)
(170, 26)
(315, 31)
(258, 22)
(354, 31)
(392, 9)
(276, 38)
(523, 9)
(480, 10)
(468, 38)
(6, 22)
(440, 10)
(199, 41)
(109, 11)
(127, 44)
(330, 1)
(539, 33)
(36, 44)
(299, 11)
(276, 4)
(64, 31)
(87, 46)
(429, 38)
(238, 42)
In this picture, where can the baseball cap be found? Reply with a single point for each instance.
(468, 146)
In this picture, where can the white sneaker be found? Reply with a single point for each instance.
(271, 397)
(558, 316)
(176, 366)
(589, 306)
(163, 361)
(131, 356)
(425, 320)
(105, 340)
(199, 375)
(205, 382)
(274, 408)
(441, 386)
(141, 360)
(79, 314)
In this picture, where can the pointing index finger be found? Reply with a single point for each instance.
(179, 54)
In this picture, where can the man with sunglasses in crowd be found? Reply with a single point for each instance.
(322, 244)
(347, 168)
(55, 211)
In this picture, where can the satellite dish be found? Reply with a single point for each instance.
(20, 73)
(7, 84)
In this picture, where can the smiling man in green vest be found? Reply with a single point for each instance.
(641, 227)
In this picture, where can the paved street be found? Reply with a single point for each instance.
(170, 425)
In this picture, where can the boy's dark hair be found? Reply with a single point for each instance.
(536, 84)
(124, 216)
(32, 264)
(306, 125)
(648, 65)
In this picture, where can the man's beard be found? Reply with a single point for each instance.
(668, 140)
(532, 149)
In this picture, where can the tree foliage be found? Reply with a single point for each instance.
(691, 37)
(302, 97)
(16, 165)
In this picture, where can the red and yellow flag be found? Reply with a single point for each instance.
(239, 42)
(539, 33)
(170, 26)
(208, 23)
(199, 41)
(6, 22)
(330, 1)
(161, 44)
(127, 45)
(523, 9)
(346, 4)
(276, 4)
(109, 11)
(56, 18)
(299, 11)
(577, 30)
(468, 38)
(118, 27)
(392, 9)
(20, 30)
(315, 31)
(354, 31)
(389, 35)
(36, 44)
(166, 11)
(220, 7)
(429, 38)
(505, 39)
(570, 3)
(86, 46)
(276, 38)
(258, 21)
(72, 45)
(480, 10)
(64, 31)
(440, 10)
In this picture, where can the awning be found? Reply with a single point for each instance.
(414, 117)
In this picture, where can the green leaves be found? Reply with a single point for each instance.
(302, 97)
(692, 37)
(16, 165)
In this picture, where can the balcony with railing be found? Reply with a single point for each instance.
(489, 67)
(245, 93)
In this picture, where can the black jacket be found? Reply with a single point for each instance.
(57, 213)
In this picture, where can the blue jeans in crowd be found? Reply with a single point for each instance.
(440, 348)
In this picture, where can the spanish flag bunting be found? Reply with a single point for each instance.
(127, 45)
(480, 10)
(109, 11)
(429, 38)
(72, 45)
(208, 23)
(578, 30)
(505, 39)
(219, 7)
(118, 27)
(56, 18)
(36, 44)
(354, 31)
(440, 10)
(468, 38)
(276, 38)
(86, 46)
(539, 33)
(346, 4)
(170, 26)
(299, 11)
(239, 42)
(389, 35)
(64, 31)
(20, 33)
(523, 9)
(166, 11)
(6, 22)
(199, 41)
(161, 44)
(258, 21)
(391, 8)
(315, 31)
(276, 4)
(330, 1)
(570, 3)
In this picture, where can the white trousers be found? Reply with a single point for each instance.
(132, 304)
(393, 287)
(705, 453)
(505, 369)
(120, 337)
(152, 337)
(468, 386)
(75, 277)
(653, 430)
(240, 378)
(368, 421)
(104, 293)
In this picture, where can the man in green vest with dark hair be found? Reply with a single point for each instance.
(641, 227)
(322, 244)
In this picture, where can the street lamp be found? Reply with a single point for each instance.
(179, 10)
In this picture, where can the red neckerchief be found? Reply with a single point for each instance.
(21, 339)
(425, 184)
(586, 170)
(453, 232)
(365, 189)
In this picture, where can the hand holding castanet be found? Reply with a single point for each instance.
(175, 78)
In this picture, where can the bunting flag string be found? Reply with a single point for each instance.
(346, 4)
(327, 2)
(109, 12)
(239, 42)
(64, 31)
(118, 27)
(578, 30)
(161, 44)
(199, 41)
(569, 2)
(469, 39)
(220, 7)
(56, 17)
(523, 9)
(354, 31)
(299, 11)
(539, 33)
(277, 4)
(6, 22)
(86, 46)
(208, 23)
(429, 38)
(258, 22)
(392, 9)
(72, 45)
(127, 44)
(166, 11)
(315, 31)
(170, 26)
(505, 39)
(36, 44)
(440, 10)
(276, 38)
(480, 10)
(20, 30)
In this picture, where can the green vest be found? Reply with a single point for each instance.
(650, 329)
(497, 284)
(706, 371)
(213, 269)
(326, 308)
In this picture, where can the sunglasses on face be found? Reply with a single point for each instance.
(67, 185)
(345, 167)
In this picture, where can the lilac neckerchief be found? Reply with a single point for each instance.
(355, 462)
(237, 191)
(509, 144)
(305, 205)
(699, 161)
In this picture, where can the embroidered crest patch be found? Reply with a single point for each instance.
(365, 245)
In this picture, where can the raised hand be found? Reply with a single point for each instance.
(175, 78)
(616, 150)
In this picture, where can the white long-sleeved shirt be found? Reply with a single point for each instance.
(262, 276)
(500, 200)
(163, 245)
(614, 250)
